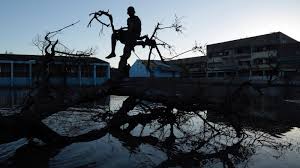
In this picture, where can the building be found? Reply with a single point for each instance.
(193, 67)
(289, 60)
(22, 70)
(157, 69)
(256, 57)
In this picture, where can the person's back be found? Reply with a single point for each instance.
(134, 26)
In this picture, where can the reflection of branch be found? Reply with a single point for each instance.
(205, 121)
(190, 149)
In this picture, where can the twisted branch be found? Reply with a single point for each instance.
(97, 15)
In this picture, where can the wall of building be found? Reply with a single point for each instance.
(23, 74)
(193, 67)
(139, 69)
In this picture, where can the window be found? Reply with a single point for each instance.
(243, 50)
(244, 63)
(4, 70)
(215, 54)
(101, 71)
(270, 60)
(220, 74)
(211, 74)
(215, 64)
(211, 65)
(72, 70)
(226, 52)
(264, 48)
(258, 61)
(230, 74)
(271, 73)
(56, 70)
(36, 70)
(21, 70)
(258, 49)
(223, 53)
(87, 71)
(244, 73)
(257, 73)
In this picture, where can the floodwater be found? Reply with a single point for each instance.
(265, 133)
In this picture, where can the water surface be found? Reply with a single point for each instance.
(263, 134)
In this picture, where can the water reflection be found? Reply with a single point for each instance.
(145, 134)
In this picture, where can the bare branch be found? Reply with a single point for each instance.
(97, 15)
(176, 25)
(57, 31)
(196, 48)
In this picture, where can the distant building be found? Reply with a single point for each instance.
(192, 67)
(157, 69)
(22, 70)
(253, 58)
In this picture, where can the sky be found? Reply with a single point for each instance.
(205, 22)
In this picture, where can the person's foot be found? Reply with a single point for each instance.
(111, 55)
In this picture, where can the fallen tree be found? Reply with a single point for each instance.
(46, 100)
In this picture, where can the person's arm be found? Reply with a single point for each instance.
(130, 25)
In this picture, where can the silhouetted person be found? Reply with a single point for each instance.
(128, 36)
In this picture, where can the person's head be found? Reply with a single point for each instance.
(130, 11)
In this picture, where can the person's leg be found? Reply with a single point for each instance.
(129, 41)
(113, 46)
(126, 54)
(143, 41)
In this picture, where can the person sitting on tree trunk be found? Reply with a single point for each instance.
(128, 36)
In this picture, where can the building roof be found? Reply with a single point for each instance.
(20, 57)
(266, 39)
(157, 64)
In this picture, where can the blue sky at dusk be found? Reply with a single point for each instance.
(205, 22)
